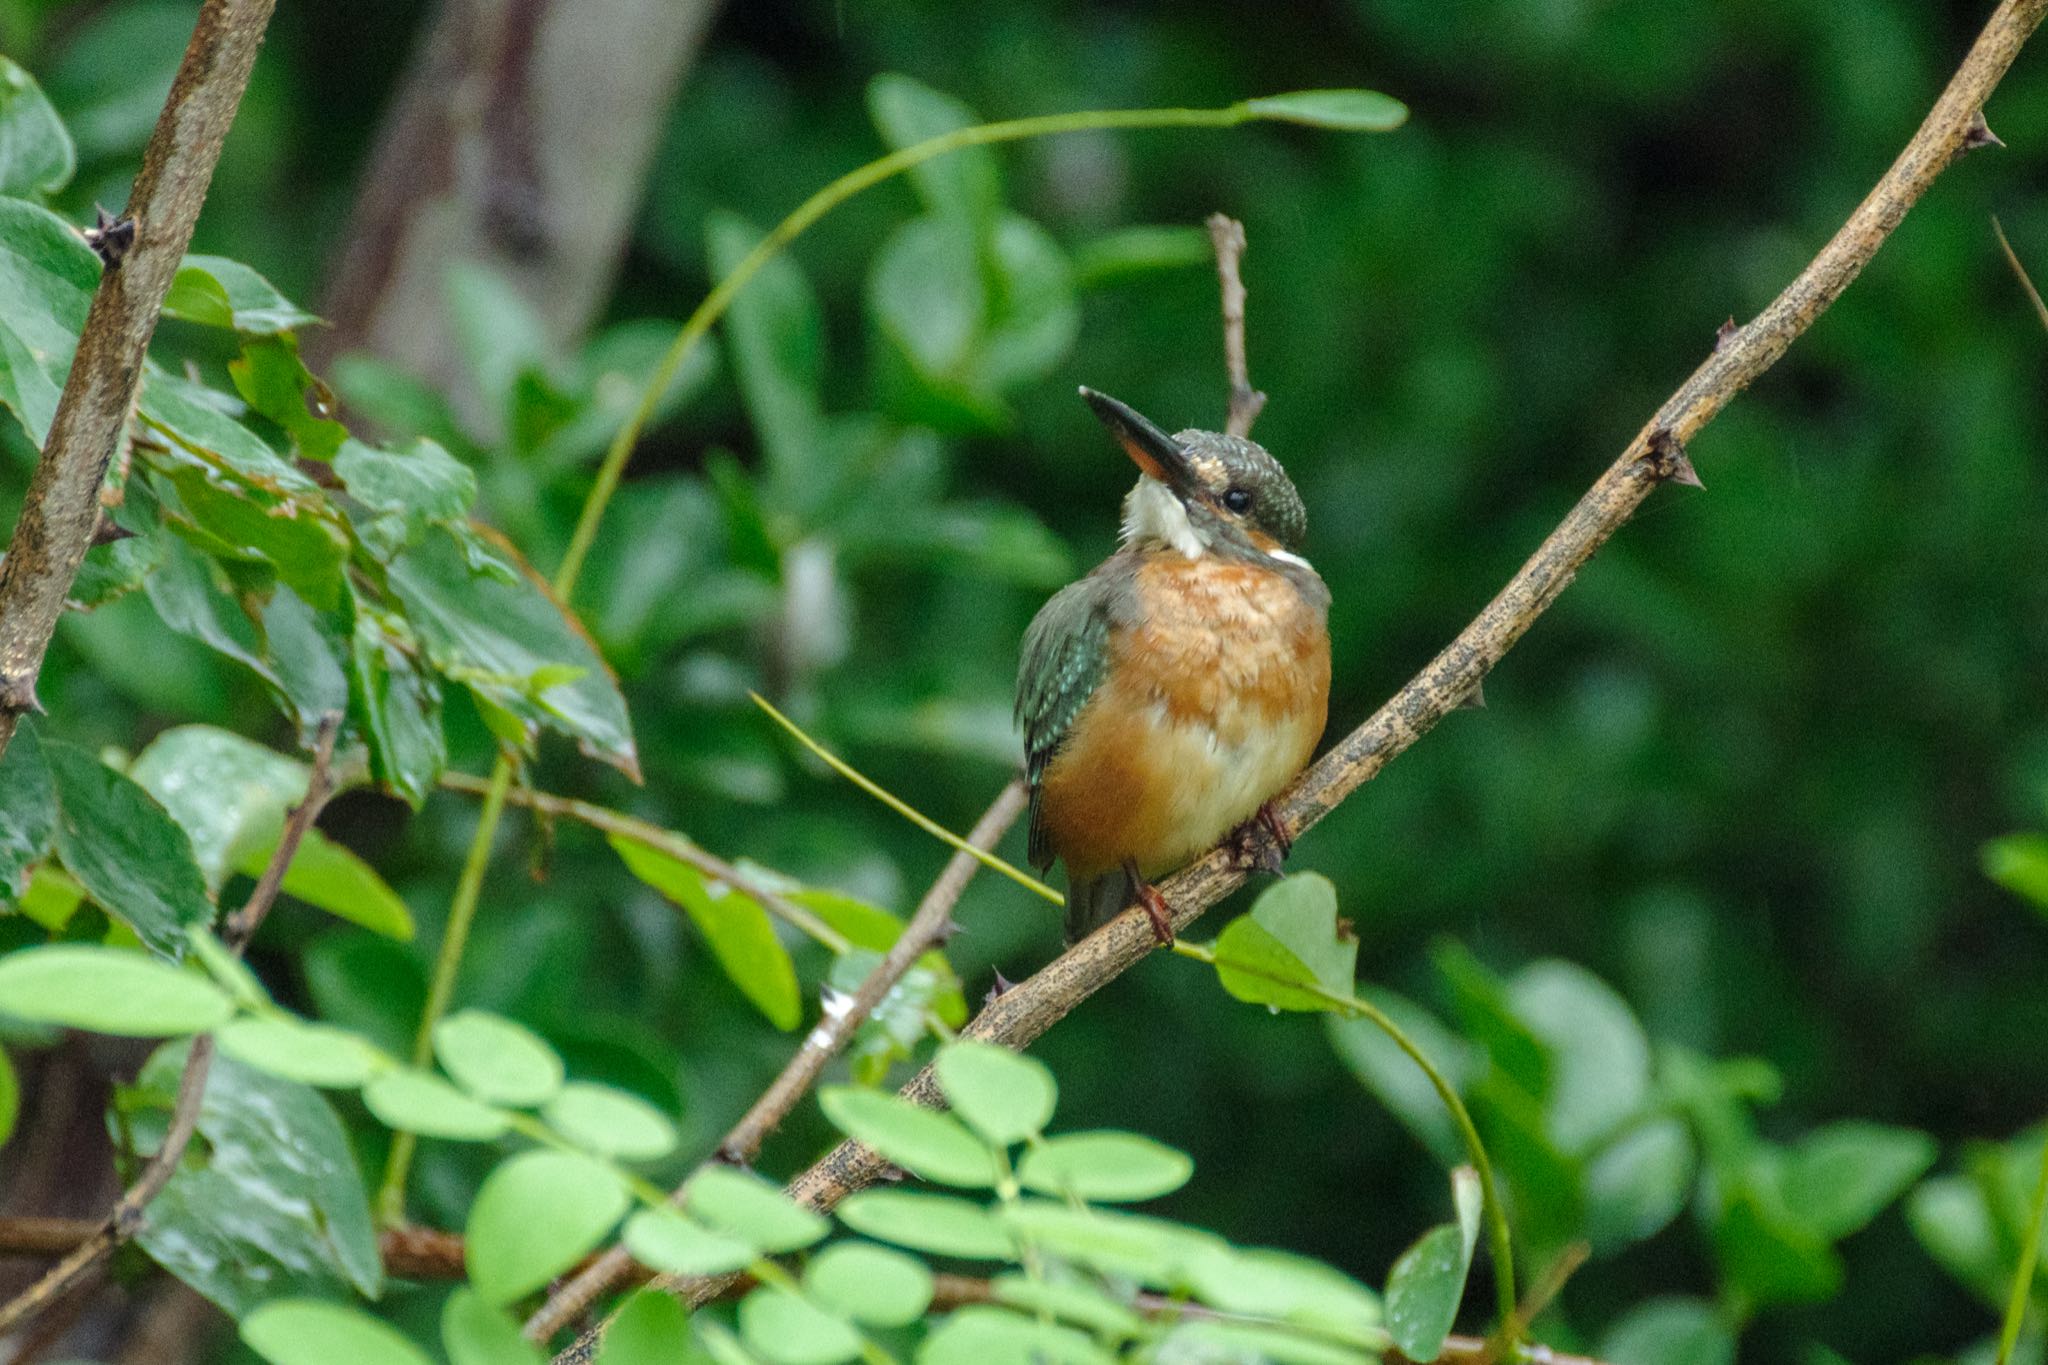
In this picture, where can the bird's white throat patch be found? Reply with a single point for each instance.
(1152, 512)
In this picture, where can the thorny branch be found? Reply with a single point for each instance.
(927, 929)
(126, 1218)
(142, 250)
(1226, 234)
(1657, 454)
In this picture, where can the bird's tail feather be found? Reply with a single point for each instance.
(1093, 903)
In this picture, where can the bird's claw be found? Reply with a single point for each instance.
(1262, 842)
(1156, 910)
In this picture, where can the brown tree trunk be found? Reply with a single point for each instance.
(520, 139)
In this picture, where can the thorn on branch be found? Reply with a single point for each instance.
(1002, 986)
(1667, 460)
(1475, 700)
(111, 239)
(18, 694)
(1979, 134)
(1725, 333)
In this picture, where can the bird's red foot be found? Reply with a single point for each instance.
(1154, 905)
(1263, 841)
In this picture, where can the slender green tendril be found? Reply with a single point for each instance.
(2030, 1255)
(1497, 1240)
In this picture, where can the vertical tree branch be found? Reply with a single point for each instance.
(928, 928)
(1226, 234)
(143, 250)
(125, 1220)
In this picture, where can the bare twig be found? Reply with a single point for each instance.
(661, 841)
(927, 928)
(1246, 402)
(126, 1218)
(2026, 282)
(1019, 1015)
(142, 250)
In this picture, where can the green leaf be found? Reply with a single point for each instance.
(28, 811)
(534, 1217)
(36, 155)
(1355, 111)
(399, 703)
(789, 1329)
(497, 1060)
(1121, 1245)
(295, 537)
(1669, 1331)
(663, 1239)
(750, 1209)
(1599, 1073)
(979, 1334)
(477, 1333)
(131, 857)
(1003, 1095)
(1242, 1341)
(940, 1224)
(312, 1054)
(231, 796)
(1291, 1289)
(1138, 250)
(651, 1328)
(47, 278)
(204, 426)
(276, 383)
(218, 292)
(1838, 1178)
(1427, 1284)
(420, 1102)
(924, 1142)
(406, 491)
(1952, 1218)
(870, 1284)
(1770, 1257)
(1075, 1300)
(775, 332)
(2019, 863)
(316, 1332)
(495, 627)
(610, 1122)
(1637, 1184)
(965, 183)
(734, 924)
(1289, 941)
(108, 990)
(269, 1202)
(1111, 1167)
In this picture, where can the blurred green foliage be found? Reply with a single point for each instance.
(1742, 773)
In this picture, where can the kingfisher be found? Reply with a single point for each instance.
(1170, 694)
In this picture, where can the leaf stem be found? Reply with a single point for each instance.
(2030, 1253)
(906, 810)
(1497, 1239)
(447, 963)
(707, 313)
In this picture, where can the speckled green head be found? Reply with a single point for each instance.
(1229, 492)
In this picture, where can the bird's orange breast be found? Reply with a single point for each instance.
(1211, 701)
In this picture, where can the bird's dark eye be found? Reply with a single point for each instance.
(1238, 500)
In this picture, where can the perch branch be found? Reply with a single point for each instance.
(928, 928)
(1226, 234)
(125, 1220)
(142, 250)
(1656, 455)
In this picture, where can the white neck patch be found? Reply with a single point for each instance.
(1152, 512)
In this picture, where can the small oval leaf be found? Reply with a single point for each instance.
(1354, 111)
(312, 1054)
(497, 1060)
(610, 1122)
(663, 1239)
(938, 1223)
(317, 1332)
(1107, 1166)
(419, 1102)
(922, 1141)
(109, 990)
(534, 1217)
(869, 1283)
(1003, 1095)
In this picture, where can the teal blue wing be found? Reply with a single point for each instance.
(1065, 653)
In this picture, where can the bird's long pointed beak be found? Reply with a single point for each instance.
(1158, 454)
